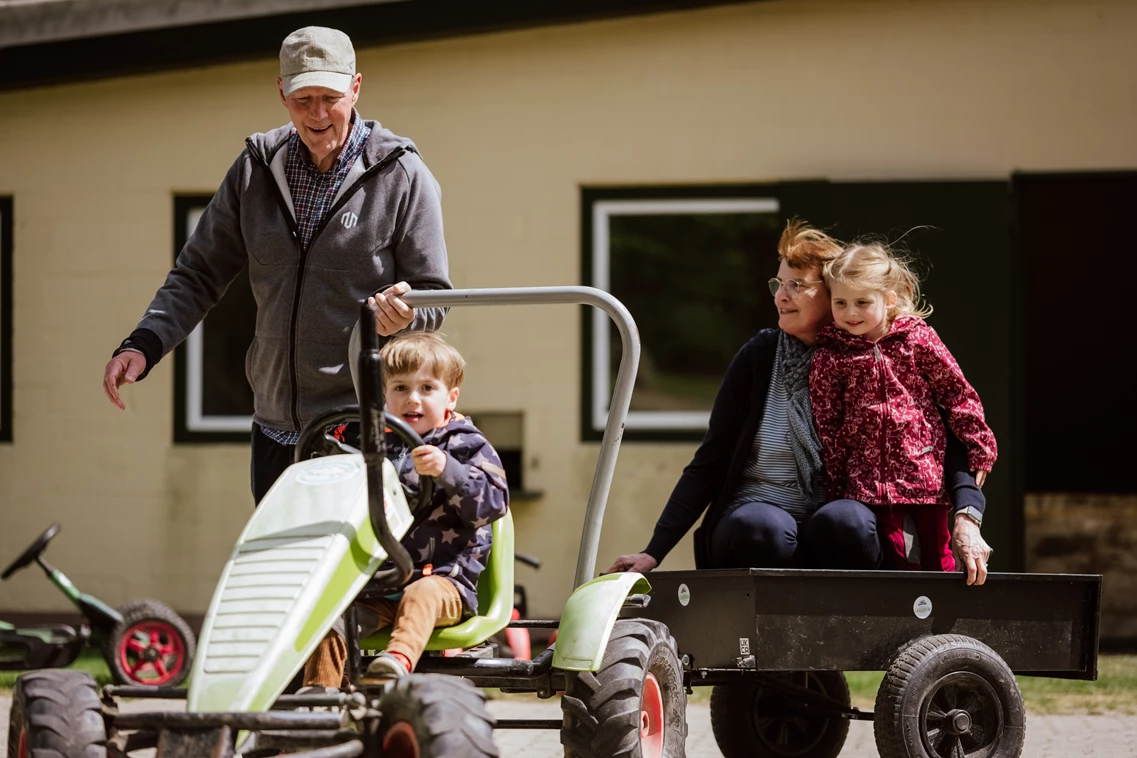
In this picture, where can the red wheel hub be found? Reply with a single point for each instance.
(651, 719)
(151, 652)
(400, 741)
(22, 750)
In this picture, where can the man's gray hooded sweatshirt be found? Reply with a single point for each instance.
(384, 226)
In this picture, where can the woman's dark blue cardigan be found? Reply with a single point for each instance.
(712, 476)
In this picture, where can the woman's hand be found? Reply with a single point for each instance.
(980, 477)
(640, 562)
(971, 551)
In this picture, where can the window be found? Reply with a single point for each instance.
(5, 319)
(212, 398)
(691, 265)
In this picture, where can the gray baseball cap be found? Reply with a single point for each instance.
(316, 56)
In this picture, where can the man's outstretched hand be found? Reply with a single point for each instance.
(125, 367)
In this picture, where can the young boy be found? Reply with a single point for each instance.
(422, 375)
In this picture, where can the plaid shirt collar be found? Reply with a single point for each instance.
(313, 193)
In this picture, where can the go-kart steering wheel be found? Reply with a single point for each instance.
(33, 552)
(315, 440)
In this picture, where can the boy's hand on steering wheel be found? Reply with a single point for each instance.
(640, 562)
(429, 460)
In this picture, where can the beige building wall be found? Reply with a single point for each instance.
(512, 124)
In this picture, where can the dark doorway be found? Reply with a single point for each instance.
(1076, 252)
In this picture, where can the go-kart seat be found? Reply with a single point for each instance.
(495, 600)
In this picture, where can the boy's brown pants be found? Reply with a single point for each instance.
(427, 603)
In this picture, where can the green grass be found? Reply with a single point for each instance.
(1115, 690)
(88, 660)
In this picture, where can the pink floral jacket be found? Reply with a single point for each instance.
(874, 405)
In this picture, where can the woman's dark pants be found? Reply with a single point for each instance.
(838, 535)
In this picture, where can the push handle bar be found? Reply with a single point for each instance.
(621, 393)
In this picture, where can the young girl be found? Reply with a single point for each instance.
(877, 376)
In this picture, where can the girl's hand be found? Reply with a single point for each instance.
(429, 460)
(980, 477)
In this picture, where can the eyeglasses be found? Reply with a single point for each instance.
(793, 287)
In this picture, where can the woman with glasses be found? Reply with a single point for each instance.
(757, 474)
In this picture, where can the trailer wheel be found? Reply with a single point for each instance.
(752, 720)
(635, 705)
(152, 645)
(433, 715)
(949, 695)
(56, 713)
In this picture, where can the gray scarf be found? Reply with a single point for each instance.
(793, 358)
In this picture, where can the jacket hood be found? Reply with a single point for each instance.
(380, 143)
(836, 338)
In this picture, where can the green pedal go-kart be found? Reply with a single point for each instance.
(771, 643)
(329, 531)
(144, 642)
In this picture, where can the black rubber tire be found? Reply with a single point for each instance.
(959, 674)
(443, 715)
(751, 721)
(140, 611)
(602, 709)
(61, 715)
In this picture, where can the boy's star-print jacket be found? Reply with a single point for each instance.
(874, 405)
(469, 495)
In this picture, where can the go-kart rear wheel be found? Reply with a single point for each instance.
(949, 695)
(433, 715)
(635, 705)
(56, 713)
(152, 645)
(752, 720)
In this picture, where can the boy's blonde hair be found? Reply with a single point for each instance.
(410, 352)
(803, 247)
(871, 265)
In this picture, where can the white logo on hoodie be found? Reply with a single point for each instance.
(349, 220)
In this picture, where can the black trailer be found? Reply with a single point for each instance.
(773, 644)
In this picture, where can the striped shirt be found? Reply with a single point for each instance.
(313, 195)
(770, 475)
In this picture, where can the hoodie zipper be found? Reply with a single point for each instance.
(303, 256)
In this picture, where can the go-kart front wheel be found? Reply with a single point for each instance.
(56, 713)
(152, 645)
(635, 705)
(433, 715)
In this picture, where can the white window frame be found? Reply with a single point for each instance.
(196, 419)
(602, 213)
(7, 227)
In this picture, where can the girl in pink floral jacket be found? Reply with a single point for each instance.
(877, 376)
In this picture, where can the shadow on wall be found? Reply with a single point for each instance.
(1089, 534)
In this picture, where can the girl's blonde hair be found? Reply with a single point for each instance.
(803, 247)
(408, 353)
(870, 265)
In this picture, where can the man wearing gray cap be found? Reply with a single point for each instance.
(327, 212)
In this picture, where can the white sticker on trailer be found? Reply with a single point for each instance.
(744, 646)
(684, 595)
(922, 607)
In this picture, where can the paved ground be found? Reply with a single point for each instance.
(1047, 736)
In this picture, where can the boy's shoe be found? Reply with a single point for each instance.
(385, 666)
